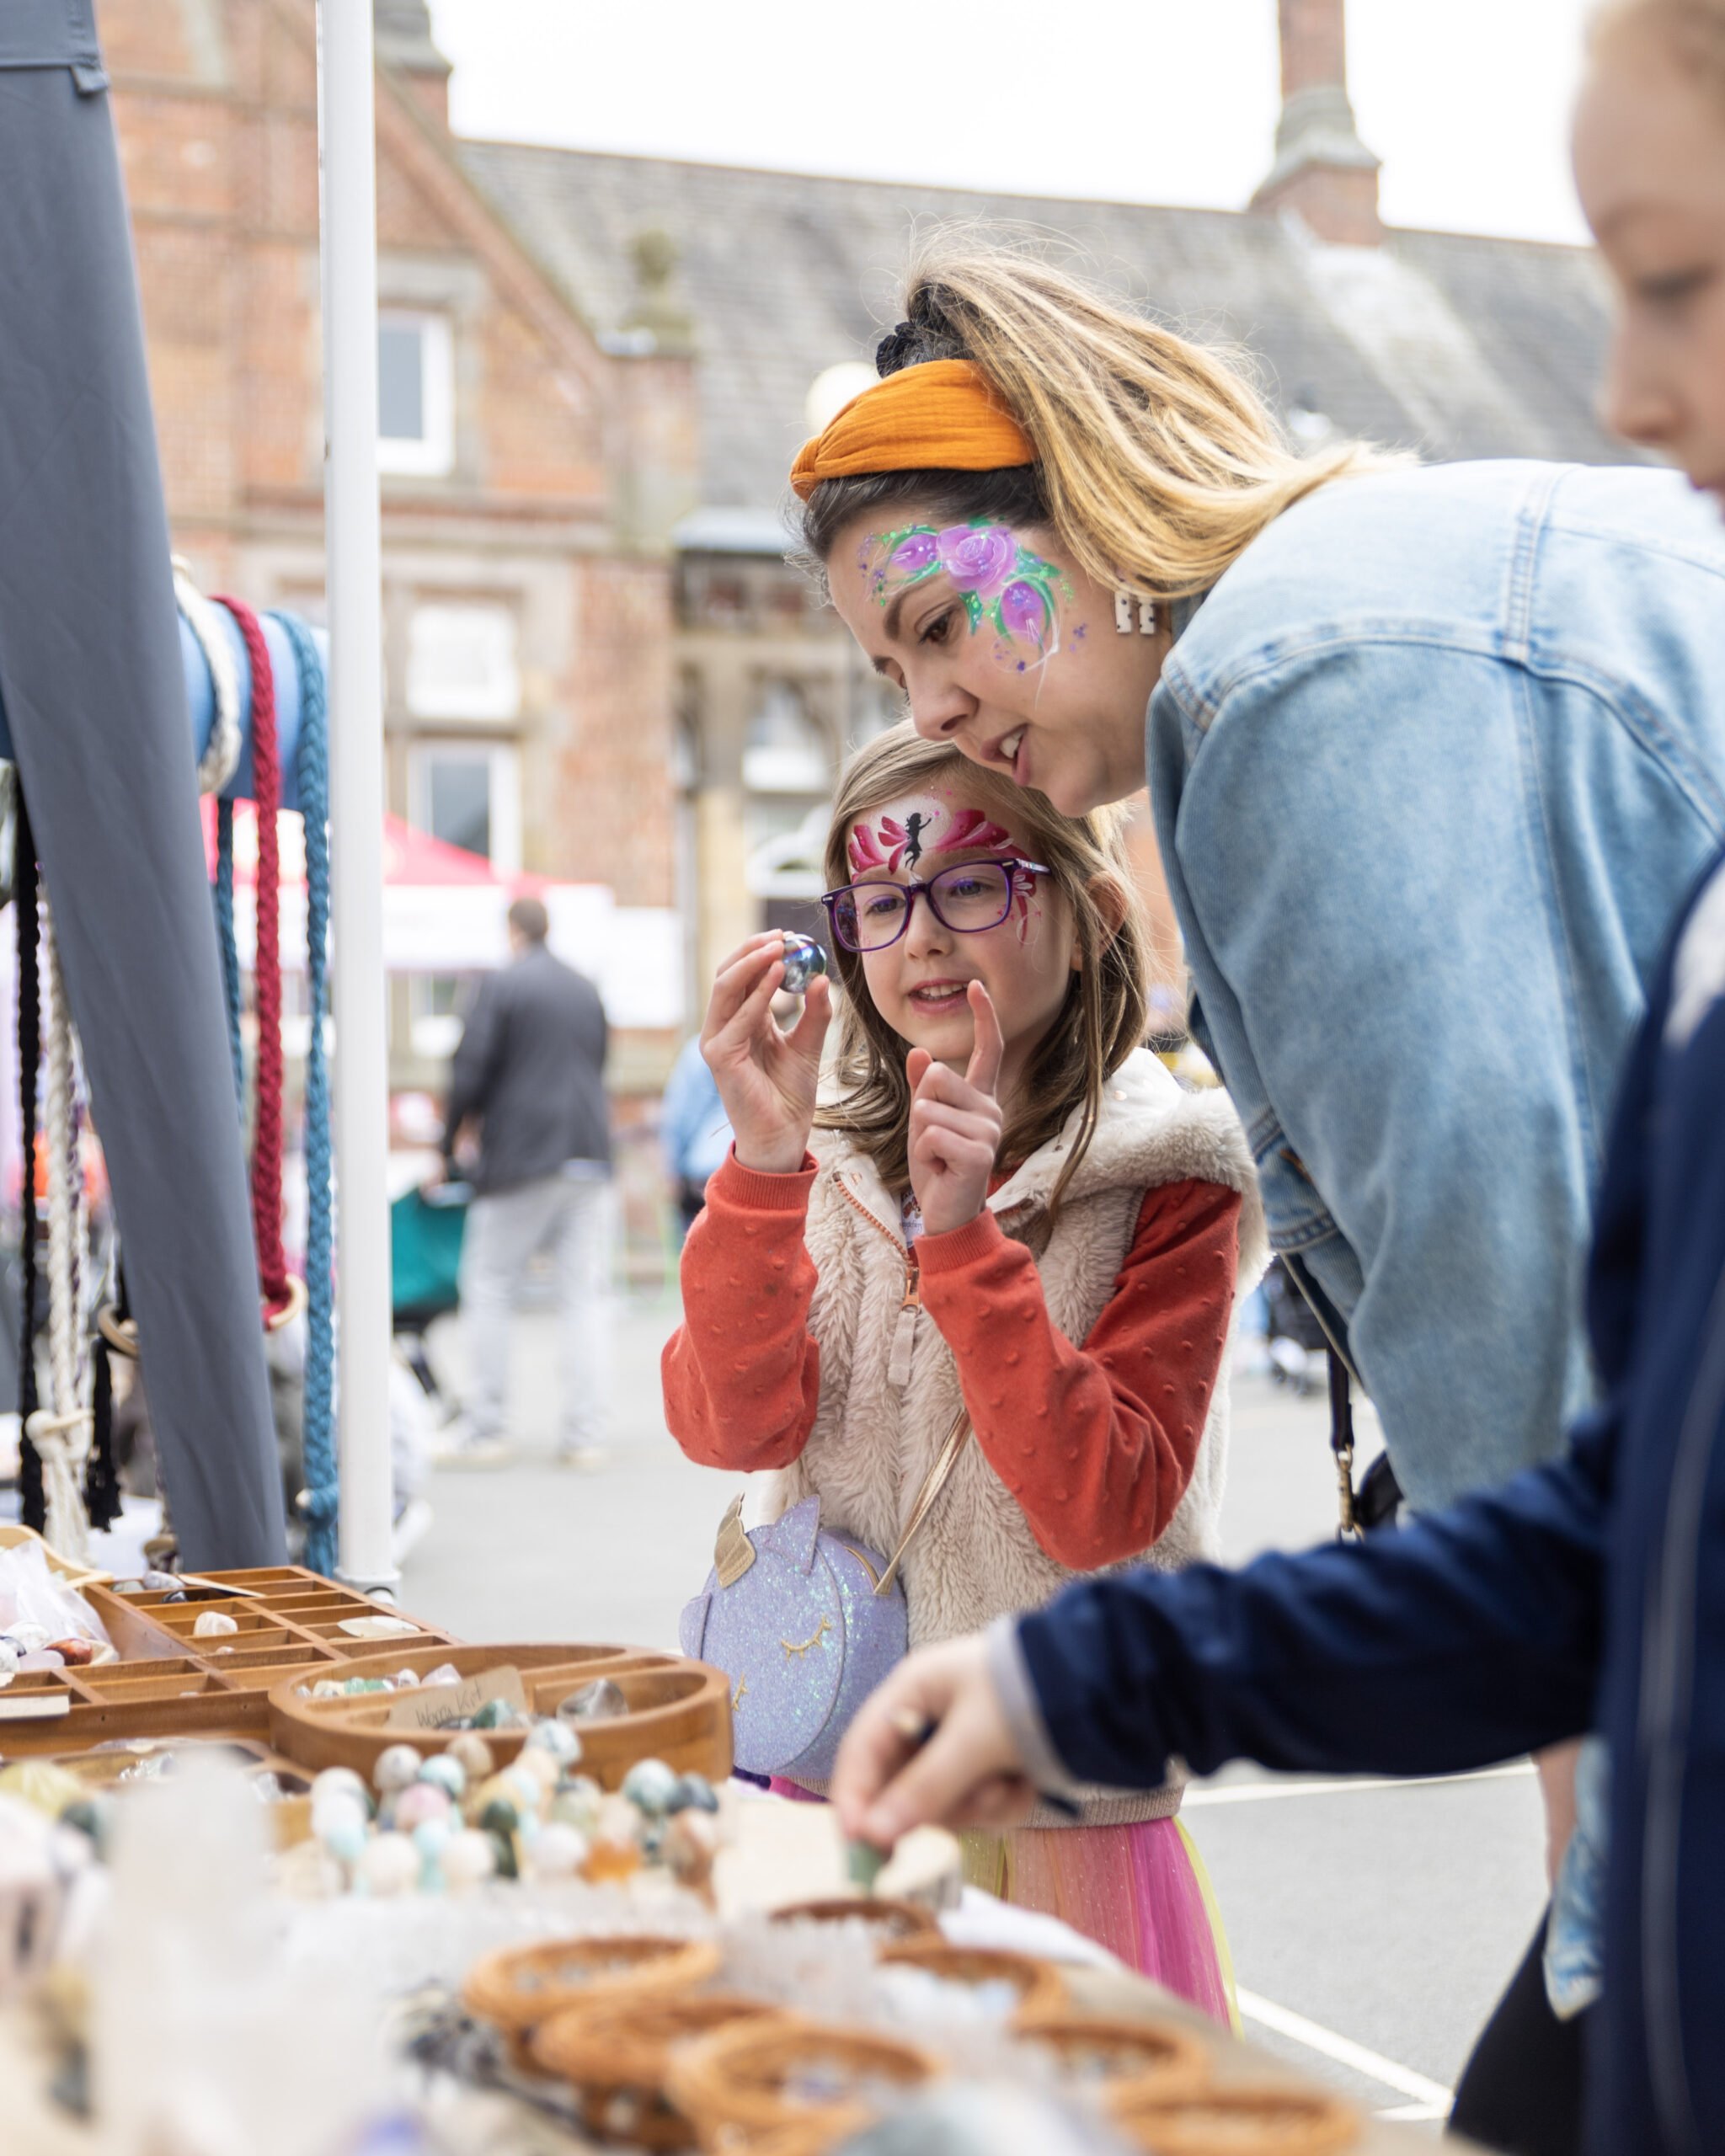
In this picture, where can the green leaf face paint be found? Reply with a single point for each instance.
(1002, 584)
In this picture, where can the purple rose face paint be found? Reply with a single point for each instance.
(1006, 588)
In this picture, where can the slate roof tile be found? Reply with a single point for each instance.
(1455, 345)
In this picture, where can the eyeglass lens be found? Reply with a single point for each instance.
(975, 896)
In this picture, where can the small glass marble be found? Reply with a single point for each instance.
(804, 959)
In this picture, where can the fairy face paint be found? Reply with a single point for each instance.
(915, 838)
(1006, 589)
(900, 835)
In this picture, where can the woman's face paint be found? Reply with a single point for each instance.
(1003, 585)
(912, 839)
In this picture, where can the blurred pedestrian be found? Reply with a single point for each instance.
(694, 1131)
(530, 1071)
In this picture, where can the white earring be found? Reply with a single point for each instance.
(1123, 615)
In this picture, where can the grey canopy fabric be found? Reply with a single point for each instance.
(94, 693)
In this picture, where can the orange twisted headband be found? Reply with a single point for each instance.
(939, 417)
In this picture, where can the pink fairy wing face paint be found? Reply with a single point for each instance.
(1004, 587)
(912, 839)
(902, 836)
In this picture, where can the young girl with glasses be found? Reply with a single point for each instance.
(997, 1202)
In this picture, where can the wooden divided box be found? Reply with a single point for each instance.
(169, 1682)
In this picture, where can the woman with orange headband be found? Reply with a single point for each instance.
(1434, 755)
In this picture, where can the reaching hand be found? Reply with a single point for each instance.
(766, 1078)
(931, 1745)
(956, 1124)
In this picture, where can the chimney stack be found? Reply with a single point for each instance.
(404, 43)
(1324, 173)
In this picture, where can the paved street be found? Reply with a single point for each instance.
(1386, 1918)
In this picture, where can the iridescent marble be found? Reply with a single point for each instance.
(804, 959)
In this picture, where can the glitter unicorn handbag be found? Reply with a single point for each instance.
(805, 1623)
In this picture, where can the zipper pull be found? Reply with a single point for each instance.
(898, 1367)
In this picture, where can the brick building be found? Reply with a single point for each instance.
(535, 458)
(1452, 345)
(595, 371)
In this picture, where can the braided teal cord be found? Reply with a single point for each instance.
(230, 946)
(312, 769)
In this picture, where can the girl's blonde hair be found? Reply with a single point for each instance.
(1158, 463)
(1105, 1015)
(1697, 25)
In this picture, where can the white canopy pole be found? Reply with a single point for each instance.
(354, 541)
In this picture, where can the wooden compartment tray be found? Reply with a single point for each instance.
(679, 1710)
(169, 1682)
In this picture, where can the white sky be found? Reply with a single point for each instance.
(1134, 100)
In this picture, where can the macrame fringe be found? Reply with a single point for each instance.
(266, 1132)
(312, 769)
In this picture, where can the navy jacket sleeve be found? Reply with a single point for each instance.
(1471, 1636)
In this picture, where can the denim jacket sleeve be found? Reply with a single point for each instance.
(1381, 946)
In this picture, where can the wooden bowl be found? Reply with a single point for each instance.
(894, 1921)
(616, 2053)
(765, 2077)
(1130, 2061)
(679, 1710)
(519, 1987)
(1039, 1985)
(807, 2138)
(1247, 2121)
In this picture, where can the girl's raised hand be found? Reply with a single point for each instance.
(766, 1079)
(956, 1124)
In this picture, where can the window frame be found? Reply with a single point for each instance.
(504, 758)
(431, 453)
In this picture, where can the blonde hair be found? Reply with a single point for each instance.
(1158, 463)
(1105, 1015)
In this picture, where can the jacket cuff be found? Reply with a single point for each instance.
(959, 1246)
(1010, 1674)
(755, 1191)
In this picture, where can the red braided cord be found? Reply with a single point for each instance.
(266, 1138)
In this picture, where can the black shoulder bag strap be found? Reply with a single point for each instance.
(1378, 1499)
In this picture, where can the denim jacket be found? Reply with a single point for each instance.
(1433, 769)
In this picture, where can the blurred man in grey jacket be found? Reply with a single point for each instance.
(530, 1071)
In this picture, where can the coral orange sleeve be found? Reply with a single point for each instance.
(741, 1374)
(1095, 1442)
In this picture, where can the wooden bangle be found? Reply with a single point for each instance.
(740, 2083)
(1040, 1987)
(1134, 2061)
(616, 2052)
(522, 1986)
(297, 1297)
(895, 1922)
(121, 1333)
(1247, 2121)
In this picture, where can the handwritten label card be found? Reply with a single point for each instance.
(435, 1706)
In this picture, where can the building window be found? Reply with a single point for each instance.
(469, 793)
(785, 751)
(438, 1003)
(461, 663)
(416, 394)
